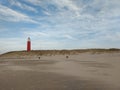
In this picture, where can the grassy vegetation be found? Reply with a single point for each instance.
(59, 52)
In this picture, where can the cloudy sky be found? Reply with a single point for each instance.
(59, 24)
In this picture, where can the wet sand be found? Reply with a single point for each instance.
(84, 71)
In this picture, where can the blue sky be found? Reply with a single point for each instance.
(59, 24)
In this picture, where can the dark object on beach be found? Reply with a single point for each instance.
(39, 57)
(67, 57)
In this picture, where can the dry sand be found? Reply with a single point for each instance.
(84, 71)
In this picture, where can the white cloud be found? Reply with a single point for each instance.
(109, 8)
(46, 13)
(73, 10)
(70, 37)
(35, 2)
(22, 5)
(59, 4)
(35, 33)
(111, 36)
(66, 3)
(76, 8)
(11, 44)
(8, 14)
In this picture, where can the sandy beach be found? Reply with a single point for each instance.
(84, 71)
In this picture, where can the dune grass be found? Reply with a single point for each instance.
(59, 52)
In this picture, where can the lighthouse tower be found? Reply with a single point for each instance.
(28, 44)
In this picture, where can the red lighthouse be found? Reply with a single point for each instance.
(28, 44)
